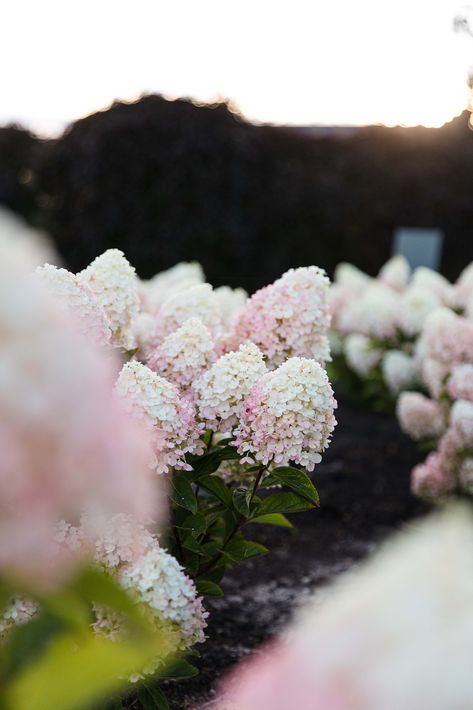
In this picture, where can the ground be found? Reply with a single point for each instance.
(363, 483)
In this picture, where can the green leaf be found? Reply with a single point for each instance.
(196, 523)
(241, 501)
(209, 463)
(273, 519)
(208, 589)
(181, 669)
(217, 487)
(152, 698)
(216, 574)
(211, 548)
(182, 493)
(78, 670)
(28, 641)
(190, 543)
(238, 550)
(298, 481)
(283, 503)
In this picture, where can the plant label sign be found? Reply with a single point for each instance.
(421, 247)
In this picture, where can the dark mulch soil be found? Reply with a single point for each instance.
(364, 489)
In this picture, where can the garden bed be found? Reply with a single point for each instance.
(364, 488)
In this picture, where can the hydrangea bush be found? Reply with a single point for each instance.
(412, 335)
(199, 409)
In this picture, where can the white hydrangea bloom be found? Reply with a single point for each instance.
(185, 354)
(168, 283)
(115, 285)
(221, 390)
(461, 420)
(419, 416)
(231, 302)
(157, 403)
(73, 295)
(460, 382)
(448, 337)
(18, 611)
(433, 281)
(195, 302)
(350, 276)
(142, 333)
(434, 375)
(395, 273)
(400, 370)
(417, 302)
(288, 416)
(346, 652)
(374, 313)
(360, 355)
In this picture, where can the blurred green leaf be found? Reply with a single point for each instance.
(196, 523)
(76, 671)
(181, 669)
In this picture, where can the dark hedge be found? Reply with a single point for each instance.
(168, 180)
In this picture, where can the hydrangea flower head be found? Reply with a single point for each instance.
(114, 283)
(157, 404)
(419, 416)
(184, 354)
(400, 370)
(195, 302)
(395, 273)
(460, 382)
(77, 298)
(448, 338)
(288, 416)
(362, 357)
(374, 313)
(288, 318)
(180, 277)
(221, 390)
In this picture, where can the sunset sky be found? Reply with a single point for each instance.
(289, 61)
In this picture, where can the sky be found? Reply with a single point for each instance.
(302, 62)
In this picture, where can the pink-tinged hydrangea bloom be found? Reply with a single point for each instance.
(432, 479)
(415, 305)
(460, 382)
(78, 299)
(288, 416)
(420, 417)
(434, 374)
(195, 302)
(423, 277)
(114, 283)
(464, 286)
(400, 370)
(345, 652)
(158, 289)
(231, 302)
(360, 354)
(66, 442)
(185, 354)
(221, 390)
(288, 318)
(461, 421)
(142, 332)
(447, 337)
(374, 313)
(338, 299)
(395, 273)
(158, 406)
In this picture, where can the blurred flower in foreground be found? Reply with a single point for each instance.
(66, 442)
(397, 633)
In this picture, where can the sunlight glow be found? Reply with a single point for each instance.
(299, 62)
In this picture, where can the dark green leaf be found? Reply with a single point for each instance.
(273, 519)
(209, 463)
(182, 493)
(283, 503)
(152, 698)
(190, 543)
(238, 550)
(217, 487)
(216, 574)
(298, 481)
(196, 523)
(181, 669)
(241, 501)
(208, 589)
